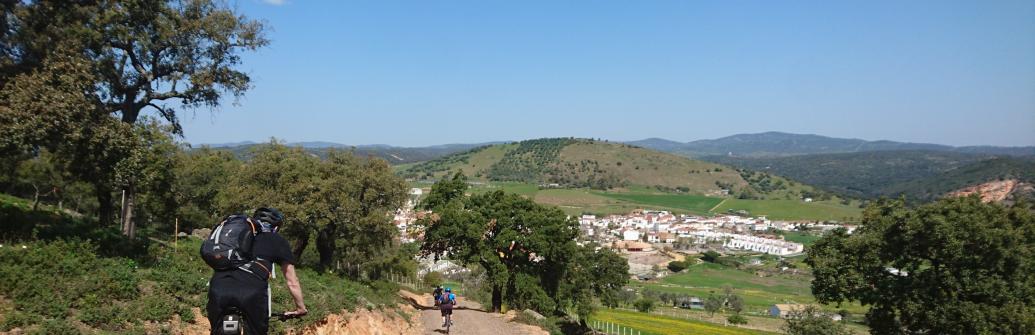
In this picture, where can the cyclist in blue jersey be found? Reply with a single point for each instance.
(446, 303)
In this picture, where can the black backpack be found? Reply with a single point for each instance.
(230, 244)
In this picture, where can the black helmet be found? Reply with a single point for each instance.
(270, 216)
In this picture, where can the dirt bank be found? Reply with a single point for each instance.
(403, 320)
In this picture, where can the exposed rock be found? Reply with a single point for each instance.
(201, 233)
(534, 314)
(994, 191)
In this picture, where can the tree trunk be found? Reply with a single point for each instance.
(325, 245)
(128, 227)
(301, 242)
(35, 198)
(105, 210)
(497, 298)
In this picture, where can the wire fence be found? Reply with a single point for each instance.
(603, 327)
(411, 281)
(679, 314)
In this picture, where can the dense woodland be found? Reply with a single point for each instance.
(917, 175)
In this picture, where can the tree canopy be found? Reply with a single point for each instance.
(528, 250)
(345, 201)
(956, 266)
(77, 77)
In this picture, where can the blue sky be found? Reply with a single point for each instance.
(417, 73)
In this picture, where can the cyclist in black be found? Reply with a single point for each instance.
(247, 287)
(437, 294)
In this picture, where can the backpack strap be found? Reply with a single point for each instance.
(215, 232)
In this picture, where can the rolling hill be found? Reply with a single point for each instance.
(919, 175)
(584, 163)
(776, 144)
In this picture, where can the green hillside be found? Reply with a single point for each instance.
(918, 175)
(1020, 168)
(588, 176)
(583, 163)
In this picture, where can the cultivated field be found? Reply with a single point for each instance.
(694, 204)
(791, 209)
(621, 201)
(759, 292)
(649, 324)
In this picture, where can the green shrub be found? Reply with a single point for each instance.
(56, 327)
(549, 324)
(47, 278)
(16, 319)
(433, 279)
(710, 256)
(737, 319)
(644, 305)
(677, 266)
(101, 314)
(153, 307)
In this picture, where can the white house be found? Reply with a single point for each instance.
(752, 243)
(631, 235)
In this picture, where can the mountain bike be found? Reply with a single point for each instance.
(449, 322)
(233, 321)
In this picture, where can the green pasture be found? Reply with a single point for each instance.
(759, 292)
(791, 209)
(696, 204)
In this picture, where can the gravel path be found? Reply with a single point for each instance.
(469, 319)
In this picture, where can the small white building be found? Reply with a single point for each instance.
(631, 235)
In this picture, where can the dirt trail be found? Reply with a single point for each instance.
(468, 319)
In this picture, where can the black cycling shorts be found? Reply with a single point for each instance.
(243, 291)
(447, 309)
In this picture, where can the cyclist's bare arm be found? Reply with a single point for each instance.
(295, 288)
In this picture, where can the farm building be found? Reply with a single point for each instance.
(785, 310)
(692, 303)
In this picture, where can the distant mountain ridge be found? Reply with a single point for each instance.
(778, 144)
(767, 144)
(392, 154)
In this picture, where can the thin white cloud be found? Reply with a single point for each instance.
(275, 2)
